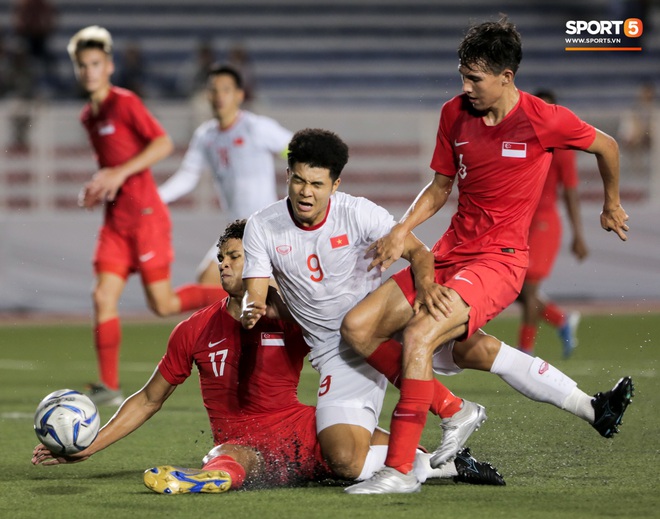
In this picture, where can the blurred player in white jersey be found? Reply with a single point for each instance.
(314, 243)
(238, 147)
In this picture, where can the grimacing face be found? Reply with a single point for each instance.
(309, 191)
(232, 257)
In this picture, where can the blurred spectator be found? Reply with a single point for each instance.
(239, 57)
(193, 73)
(132, 71)
(636, 129)
(34, 23)
(191, 82)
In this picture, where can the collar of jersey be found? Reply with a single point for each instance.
(297, 224)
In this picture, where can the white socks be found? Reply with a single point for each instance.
(542, 382)
(422, 468)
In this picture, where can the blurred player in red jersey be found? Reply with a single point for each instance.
(135, 236)
(263, 435)
(496, 143)
(544, 242)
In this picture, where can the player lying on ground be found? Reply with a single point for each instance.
(263, 435)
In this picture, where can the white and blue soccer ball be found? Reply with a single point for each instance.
(66, 421)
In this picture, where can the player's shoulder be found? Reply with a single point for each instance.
(352, 203)
(273, 212)
(202, 317)
(209, 127)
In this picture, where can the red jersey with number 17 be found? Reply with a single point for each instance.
(120, 130)
(501, 170)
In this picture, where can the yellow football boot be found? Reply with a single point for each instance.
(177, 480)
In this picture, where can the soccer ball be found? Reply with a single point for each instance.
(66, 421)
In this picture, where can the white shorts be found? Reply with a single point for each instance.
(350, 391)
(443, 360)
(211, 256)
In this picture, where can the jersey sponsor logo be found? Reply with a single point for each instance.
(458, 277)
(458, 144)
(544, 367)
(339, 241)
(272, 338)
(106, 129)
(212, 344)
(147, 256)
(516, 150)
(283, 249)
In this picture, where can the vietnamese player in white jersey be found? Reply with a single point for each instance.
(315, 243)
(238, 148)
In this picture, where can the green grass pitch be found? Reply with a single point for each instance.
(556, 465)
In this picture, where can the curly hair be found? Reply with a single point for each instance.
(234, 230)
(492, 47)
(318, 149)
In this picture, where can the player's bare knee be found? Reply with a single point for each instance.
(344, 461)
(162, 308)
(354, 331)
(103, 298)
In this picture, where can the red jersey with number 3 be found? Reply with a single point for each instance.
(500, 171)
(120, 130)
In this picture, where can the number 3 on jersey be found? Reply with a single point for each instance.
(314, 266)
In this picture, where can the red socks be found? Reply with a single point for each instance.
(230, 466)
(553, 314)
(527, 337)
(193, 297)
(107, 338)
(408, 420)
(387, 359)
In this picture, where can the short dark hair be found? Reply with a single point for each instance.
(218, 69)
(234, 230)
(492, 46)
(547, 95)
(318, 149)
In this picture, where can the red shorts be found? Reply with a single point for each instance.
(544, 244)
(146, 248)
(487, 285)
(286, 440)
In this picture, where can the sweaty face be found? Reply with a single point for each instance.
(309, 192)
(483, 89)
(225, 97)
(231, 259)
(93, 69)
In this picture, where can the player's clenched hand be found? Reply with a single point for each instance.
(43, 456)
(85, 199)
(105, 184)
(436, 298)
(251, 313)
(388, 249)
(615, 220)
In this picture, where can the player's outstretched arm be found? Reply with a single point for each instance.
(572, 203)
(135, 410)
(613, 217)
(390, 247)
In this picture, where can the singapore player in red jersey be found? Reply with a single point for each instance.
(135, 236)
(496, 143)
(263, 435)
(544, 242)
